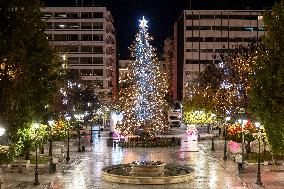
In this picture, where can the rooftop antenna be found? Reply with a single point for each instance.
(189, 4)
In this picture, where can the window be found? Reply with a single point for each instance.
(46, 14)
(192, 17)
(73, 60)
(67, 48)
(68, 25)
(236, 17)
(49, 36)
(74, 72)
(98, 49)
(86, 60)
(98, 60)
(250, 17)
(98, 25)
(98, 83)
(221, 16)
(86, 49)
(98, 15)
(198, 61)
(209, 39)
(86, 72)
(86, 25)
(86, 37)
(206, 16)
(72, 15)
(60, 15)
(194, 39)
(66, 37)
(98, 72)
(98, 37)
(86, 15)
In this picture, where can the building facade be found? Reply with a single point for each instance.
(86, 35)
(168, 57)
(202, 36)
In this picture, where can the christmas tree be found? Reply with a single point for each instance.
(142, 96)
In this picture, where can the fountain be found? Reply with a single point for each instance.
(147, 172)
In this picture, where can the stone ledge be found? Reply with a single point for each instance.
(134, 179)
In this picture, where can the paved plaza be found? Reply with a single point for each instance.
(211, 171)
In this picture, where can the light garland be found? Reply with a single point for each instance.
(143, 100)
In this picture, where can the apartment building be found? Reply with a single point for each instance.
(201, 36)
(86, 35)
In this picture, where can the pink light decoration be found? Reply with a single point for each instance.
(234, 147)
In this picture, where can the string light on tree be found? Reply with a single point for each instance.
(142, 99)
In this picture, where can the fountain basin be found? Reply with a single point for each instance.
(170, 174)
(147, 168)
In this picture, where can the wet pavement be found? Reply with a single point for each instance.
(211, 171)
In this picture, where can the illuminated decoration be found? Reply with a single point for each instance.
(143, 23)
(236, 130)
(142, 94)
(192, 132)
(223, 89)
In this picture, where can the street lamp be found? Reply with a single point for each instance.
(68, 138)
(50, 123)
(225, 135)
(2, 131)
(36, 127)
(258, 176)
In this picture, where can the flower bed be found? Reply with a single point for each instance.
(138, 142)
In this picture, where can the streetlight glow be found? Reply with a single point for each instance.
(257, 125)
(50, 122)
(36, 125)
(2, 131)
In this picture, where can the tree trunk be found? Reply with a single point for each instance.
(42, 150)
(248, 148)
(27, 154)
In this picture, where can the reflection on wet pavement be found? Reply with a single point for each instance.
(86, 173)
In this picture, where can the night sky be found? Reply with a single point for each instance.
(161, 15)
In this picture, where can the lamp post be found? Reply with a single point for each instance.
(244, 122)
(80, 118)
(2, 132)
(68, 138)
(212, 146)
(50, 123)
(258, 176)
(100, 125)
(225, 157)
(91, 140)
(36, 127)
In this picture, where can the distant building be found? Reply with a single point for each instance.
(124, 66)
(201, 36)
(87, 36)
